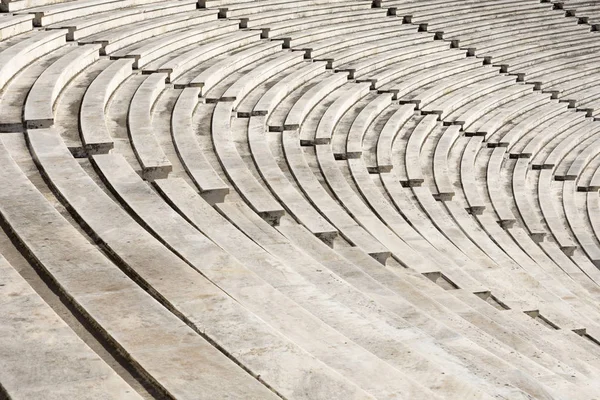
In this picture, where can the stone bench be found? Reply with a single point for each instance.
(536, 73)
(324, 203)
(146, 51)
(528, 214)
(414, 48)
(494, 124)
(551, 142)
(341, 131)
(354, 144)
(456, 214)
(484, 45)
(589, 243)
(180, 292)
(500, 317)
(312, 97)
(525, 31)
(593, 212)
(53, 13)
(250, 285)
(14, 95)
(408, 9)
(352, 297)
(277, 12)
(522, 39)
(98, 22)
(239, 8)
(449, 299)
(577, 267)
(397, 153)
(373, 50)
(303, 40)
(464, 97)
(262, 72)
(443, 220)
(450, 276)
(95, 136)
(258, 9)
(355, 266)
(563, 144)
(500, 201)
(339, 50)
(367, 40)
(419, 246)
(414, 144)
(33, 333)
(276, 180)
(486, 233)
(585, 178)
(451, 84)
(580, 96)
(587, 14)
(328, 121)
(176, 66)
(301, 263)
(245, 87)
(13, 25)
(39, 107)
(468, 180)
(286, 85)
(460, 12)
(533, 119)
(308, 27)
(452, 28)
(491, 28)
(306, 112)
(404, 78)
(388, 136)
(118, 38)
(100, 291)
(445, 188)
(221, 3)
(208, 78)
(261, 277)
(355, 207)
(469, 113)
(18, 5)
(576, 94)
(152, 159)
(430, 220)
(551, 217)
(472, 26)
(273, 94)
(528, 50)
(586, 151)
(551, 129)
(211, 186)
(235, 168)
(592, 109)
(542, 57)
(32, 46)
(535, 25)
(522, 249)
(306, 242)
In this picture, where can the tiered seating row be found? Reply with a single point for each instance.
(33, 332)
(311, 199)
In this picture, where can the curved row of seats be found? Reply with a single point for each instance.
(586, 12)
(537, 42)
(299, 200)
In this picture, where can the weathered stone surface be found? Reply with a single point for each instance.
(312, 199)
